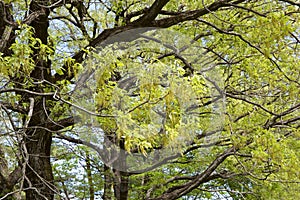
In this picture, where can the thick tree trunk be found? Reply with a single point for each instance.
(38, 169)
(38, 140)
(118, 181)
(121, 185)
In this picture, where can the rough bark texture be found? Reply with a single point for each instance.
(38, 145)
(38, 141)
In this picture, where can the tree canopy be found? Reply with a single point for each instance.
(154, 99)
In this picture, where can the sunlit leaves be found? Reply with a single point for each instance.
(170, 92)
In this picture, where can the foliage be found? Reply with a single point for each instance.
(161, 99)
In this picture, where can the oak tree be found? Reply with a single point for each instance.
(155, 99)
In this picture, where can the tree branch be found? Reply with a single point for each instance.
(291, 2)
(191, 15)
(142, 22)
(178, 191)
(152, 13)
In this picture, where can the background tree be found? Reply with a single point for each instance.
(252, 44)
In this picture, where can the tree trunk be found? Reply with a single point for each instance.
(37, 140)
(121, 185)
(37, 149)
(108, 183)
(121, 177)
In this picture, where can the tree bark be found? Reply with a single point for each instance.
(38, 141)
(121, 185)
(6, 30)
(108, 183)
(121, 176)
(37, 147)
